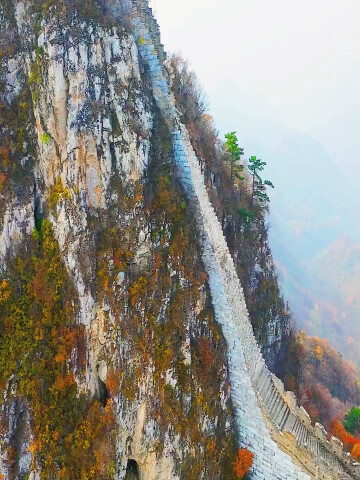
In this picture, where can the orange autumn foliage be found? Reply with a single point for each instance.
(5, 291)
(178, 245)
(328, 384)
(355, 452)
(63, 382)
(72, 433)
(2, 183)
(66, 340)
(137, 290)
(243, 462)
(338, 431)
(206, 356)
(319, 353)
(113, 382)
(5, 155)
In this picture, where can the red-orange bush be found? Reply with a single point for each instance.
(338, 431)
(206, 355)
(113, 382)
(243, 462)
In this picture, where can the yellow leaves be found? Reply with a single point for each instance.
(128, 388)
(138, 193)
(211, 446)
(34, 77)
(86, 444)
(5, 291)
(49, 242)
(137, 290)
(82, 436)
(199, 397)
(45, 138)
(166, 199)
(103, 276)
(63, 473)
(39, 334)
(319, 353)
(58, 193)
(34, 447)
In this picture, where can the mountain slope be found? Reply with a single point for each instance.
(118, 289)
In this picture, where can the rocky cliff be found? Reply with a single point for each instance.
(126, 349)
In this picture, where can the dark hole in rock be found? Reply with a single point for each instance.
(38, 216)
(113, 156)
(132, 470)
(103, 392)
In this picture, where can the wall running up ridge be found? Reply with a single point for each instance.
(258, 396)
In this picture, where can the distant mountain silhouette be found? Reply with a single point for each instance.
(316, 241)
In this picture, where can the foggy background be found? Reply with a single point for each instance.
(285, 75)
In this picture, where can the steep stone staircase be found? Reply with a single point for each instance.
(254, 389)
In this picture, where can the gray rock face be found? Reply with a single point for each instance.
(93, 124)
(100, 97)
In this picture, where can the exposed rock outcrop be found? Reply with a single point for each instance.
(117, 275)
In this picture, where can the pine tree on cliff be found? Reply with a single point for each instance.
(235, 151)
(258, 191)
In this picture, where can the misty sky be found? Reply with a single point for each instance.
(285, 75)
(269, 65)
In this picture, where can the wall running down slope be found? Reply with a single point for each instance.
(99, 172)
(254, 389)
(93, 137)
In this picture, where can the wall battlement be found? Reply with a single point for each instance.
(258, 396)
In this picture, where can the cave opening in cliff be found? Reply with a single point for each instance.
(103, 392)
(132, 470)
(38, 216)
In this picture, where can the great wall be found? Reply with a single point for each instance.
(269, 421)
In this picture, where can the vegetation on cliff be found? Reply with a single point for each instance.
(156, 332)
(154, 309)
(328, 385)
(244, 221)
(325, 384)
(152, 315)
(42, 351)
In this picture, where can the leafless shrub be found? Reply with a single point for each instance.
(187, 89)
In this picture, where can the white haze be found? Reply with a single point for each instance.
(292, 63)
(286, 76)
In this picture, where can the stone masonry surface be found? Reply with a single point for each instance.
(253, 386)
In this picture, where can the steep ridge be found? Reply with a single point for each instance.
(97, 121)
(76, 69)
(252, 383)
